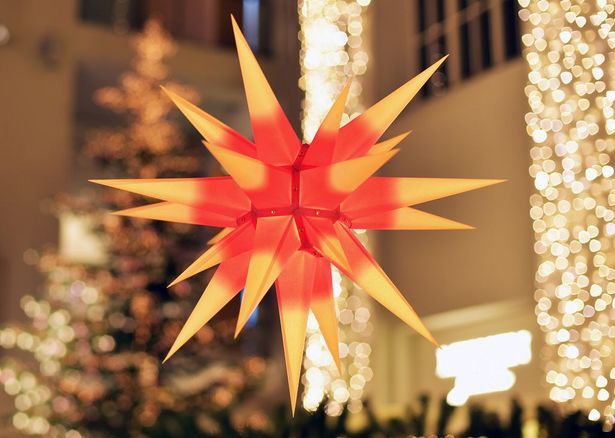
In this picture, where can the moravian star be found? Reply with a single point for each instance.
(287, 210)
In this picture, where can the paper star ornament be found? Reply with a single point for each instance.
(288, 210)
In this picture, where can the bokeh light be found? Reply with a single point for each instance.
(332, 52)
(569, 47)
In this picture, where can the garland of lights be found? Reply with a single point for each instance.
(569, 49)
(331, 53)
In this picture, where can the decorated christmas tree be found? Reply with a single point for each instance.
(96, 335)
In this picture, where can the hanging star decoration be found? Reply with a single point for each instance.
(288, 210)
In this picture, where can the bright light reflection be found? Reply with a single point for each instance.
(481, 365)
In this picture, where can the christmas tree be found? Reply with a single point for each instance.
(96, 336)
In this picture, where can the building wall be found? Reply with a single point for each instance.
(466, 284)
(475, 131)
(35, 133)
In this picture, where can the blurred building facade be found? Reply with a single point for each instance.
(469, 122)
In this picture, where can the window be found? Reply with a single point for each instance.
(121, 13)
(510, 11)
(203, 22)
(431, 19)
(483, 33)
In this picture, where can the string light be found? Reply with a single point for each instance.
(332, 52)
(569, 49)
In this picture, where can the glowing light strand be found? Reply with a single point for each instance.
(569, 50)
(331, 53)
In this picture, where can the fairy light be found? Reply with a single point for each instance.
(37, 404)
(569, 49)
(332, 52)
